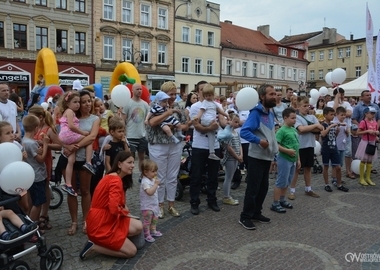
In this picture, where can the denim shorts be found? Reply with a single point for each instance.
(285, 169)
(334, 157)
(37, 193)
(138, 145)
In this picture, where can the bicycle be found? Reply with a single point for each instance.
(56, 195)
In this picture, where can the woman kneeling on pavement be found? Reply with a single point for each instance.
(109, 223)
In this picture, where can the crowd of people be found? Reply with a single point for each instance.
(98, 143)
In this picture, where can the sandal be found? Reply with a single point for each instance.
(44, 224)
(350, 175)
(84, 229)
(374, 171)
(73, 228)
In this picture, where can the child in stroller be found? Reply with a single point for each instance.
(16, 221)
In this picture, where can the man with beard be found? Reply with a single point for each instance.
(8, 110)
(258, 130)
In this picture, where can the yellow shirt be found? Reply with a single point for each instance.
(104, 119)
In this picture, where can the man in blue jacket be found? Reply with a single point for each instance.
(258, 130)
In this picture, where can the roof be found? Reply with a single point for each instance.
(237, 37)
(299, 38)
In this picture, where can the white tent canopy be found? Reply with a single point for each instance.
(355, 87)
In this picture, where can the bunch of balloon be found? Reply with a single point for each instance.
(336, 77)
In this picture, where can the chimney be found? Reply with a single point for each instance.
(352, 37)
(227, 21)
(264, 29)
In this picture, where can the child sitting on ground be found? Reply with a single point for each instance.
(16, 221)
(159, 107)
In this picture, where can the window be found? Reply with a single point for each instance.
(294, 74)
(127, 11)
(198, 66)
(41, 37)
(108, 12)
(61, 36)
(312, 56)
(320, 74)
(331, 54)
(282, 51)
(210, 38)
(198, 36)
(229, 67)
(162, 18)
(282, 73)
(145, 52)
(244, 68)
(295, 53)
(185, 64)
(162, 54)
(271, 68)
(312, 75)
(2, 34)
(210, 67)
(19, 36)
(359, 50)
(358, 72)
(80, 42)
(22, 1)
(80, 5)
(62, 4)
(145, 15)
(127, 49)
(108, 48)
(254, 70)
(340, 53)
(185, 34)
(41, 3)
(321, 55)
(348, 51)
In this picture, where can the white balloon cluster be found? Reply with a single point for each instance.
(335, 77)
(16, 176)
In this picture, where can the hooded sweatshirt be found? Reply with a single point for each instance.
(260, 126)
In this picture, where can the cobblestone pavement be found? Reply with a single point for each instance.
(316, 234)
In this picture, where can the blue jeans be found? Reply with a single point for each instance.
(286, 170)
(199, 160)
(257, 187)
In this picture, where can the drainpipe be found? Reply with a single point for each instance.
(220, 64)
(92, 37)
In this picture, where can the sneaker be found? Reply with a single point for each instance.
(247, 224)
(86, 249)
(230, 201)
(334, 182)
(286, 204)
(150, 239)
(311, 194)
(277, 208)
(213, 156)
(9, 235)
(291, 196)
(194, 209)
(173, 211)
(69, 189)
(28, 228)
(342, 188)
(328, 188)
(88, 167)
(214, 207)
(156, 234)
(262, 219)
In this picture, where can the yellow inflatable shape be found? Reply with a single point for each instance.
(46, 65)
(124, 68)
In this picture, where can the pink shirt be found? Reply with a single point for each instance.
(371, 125)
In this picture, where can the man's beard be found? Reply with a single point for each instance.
(269, 103)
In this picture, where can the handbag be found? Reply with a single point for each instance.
(370, 149)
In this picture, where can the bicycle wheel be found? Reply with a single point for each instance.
(56, 197)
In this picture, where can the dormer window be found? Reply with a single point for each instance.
(282, 51)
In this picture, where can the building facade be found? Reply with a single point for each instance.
(197, 43)
(26, 26)
(251, 58)
(139, 32)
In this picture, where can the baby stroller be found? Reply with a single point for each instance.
(317, 168)
(12, 250)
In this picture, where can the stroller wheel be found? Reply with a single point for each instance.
(315, 169)
(53, 259)
(20, 265)
(56, 197)
(320, 169)
(179, 191)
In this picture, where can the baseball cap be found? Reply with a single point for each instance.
(369, 109)
(354, 127)
(160, 96)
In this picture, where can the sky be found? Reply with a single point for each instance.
(302, 16)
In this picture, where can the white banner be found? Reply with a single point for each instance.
(371, 79)
(377, 65)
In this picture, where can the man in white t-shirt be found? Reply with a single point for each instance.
(8, 109)
(339, 102)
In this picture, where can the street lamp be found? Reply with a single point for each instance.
(136, 56)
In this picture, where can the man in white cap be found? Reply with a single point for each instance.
(77, 85)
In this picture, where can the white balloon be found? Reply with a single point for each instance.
(246, 99)
(317, 148)
(338, 75)
(16, 177)
(313, 101)
(328, 78)
(323, 91)
(295, 94)
(9, 152)
(314, 94)
(45, 105)
(120, 95)
(1, 117)
(355, 166)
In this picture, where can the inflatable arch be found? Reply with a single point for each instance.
(46, 65)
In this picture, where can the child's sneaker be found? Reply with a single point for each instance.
(328, 188)
(344, 189)
(334, 182)
(9, 235)
(88, 167)
(150, 239)
(70, 190)
(213, 156)
(28, 228)
(156, 234)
